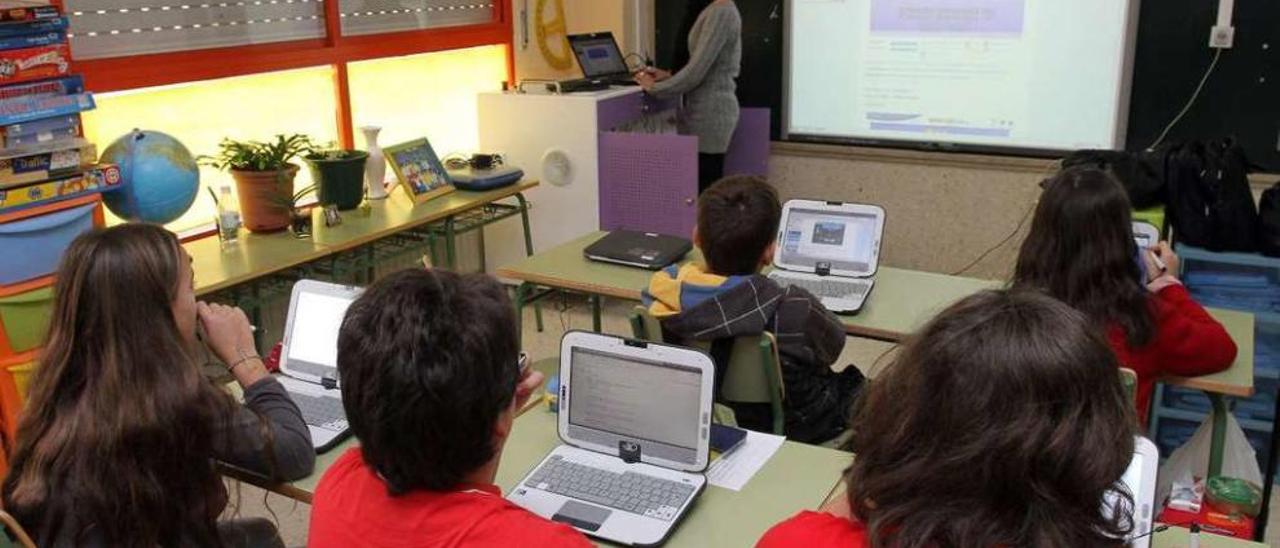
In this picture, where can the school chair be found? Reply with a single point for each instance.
(11, 525)
(754, 373)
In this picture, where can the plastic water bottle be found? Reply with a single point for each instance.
(228, 217)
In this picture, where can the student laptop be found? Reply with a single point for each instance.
(309, 358)
(600, 59)
(832, 249)
(639, 249)
(630, 464)
(1145, 235)
(1140, 481)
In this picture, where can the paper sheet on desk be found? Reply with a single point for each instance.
(734, 470)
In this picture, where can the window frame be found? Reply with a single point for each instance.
(159, 69)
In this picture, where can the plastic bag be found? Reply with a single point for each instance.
(1191, 461)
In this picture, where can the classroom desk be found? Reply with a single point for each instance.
(798, 477)
(1176, 537)
(900, 302)
(252, 257)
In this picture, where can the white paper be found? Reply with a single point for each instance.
(734, 470)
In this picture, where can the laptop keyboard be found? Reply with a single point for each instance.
(826, 287)
(321, 412)
(630, 491)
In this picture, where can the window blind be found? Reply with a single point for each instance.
(115, 28)
(379, 16)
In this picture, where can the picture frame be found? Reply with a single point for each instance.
(419, 170)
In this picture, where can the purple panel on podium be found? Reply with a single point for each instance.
(648, 182)
(748, 152)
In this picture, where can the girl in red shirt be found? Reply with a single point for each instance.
(1081, 250)
(1001, 424)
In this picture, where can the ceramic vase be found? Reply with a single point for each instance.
(375, 170)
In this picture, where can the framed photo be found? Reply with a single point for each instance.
(419, 170)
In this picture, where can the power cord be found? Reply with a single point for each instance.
(1055, 166)
(1190, 102)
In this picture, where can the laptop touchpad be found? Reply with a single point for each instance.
(582, 516)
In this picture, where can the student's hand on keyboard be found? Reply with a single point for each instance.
(528, 383)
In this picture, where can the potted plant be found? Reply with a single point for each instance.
(339, 175)
(299, 218)
(264, 177)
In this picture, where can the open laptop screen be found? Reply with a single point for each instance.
(598, 54)
(846, 240)
(636, 399)
(313, 347)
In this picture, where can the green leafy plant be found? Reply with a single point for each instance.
(330, 152)
(259, 156)
(292, 201)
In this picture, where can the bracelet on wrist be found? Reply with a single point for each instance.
(244, 357)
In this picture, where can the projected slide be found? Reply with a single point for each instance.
(1041, 74)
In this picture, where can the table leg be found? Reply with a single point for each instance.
(450, 244)
(255, 316)
(1269, 474)
(1219, 434)
(522, 292)
(483, 262)
(371, 269)
(595, 314)
(528, 249)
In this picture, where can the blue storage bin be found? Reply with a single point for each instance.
(1260, 407)
(36, 243)
(1239, 281)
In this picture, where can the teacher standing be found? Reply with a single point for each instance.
(708, 85)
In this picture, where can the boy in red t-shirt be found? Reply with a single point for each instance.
(431, 385)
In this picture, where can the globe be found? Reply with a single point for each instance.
(160, 177)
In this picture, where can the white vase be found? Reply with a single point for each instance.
(375, 170)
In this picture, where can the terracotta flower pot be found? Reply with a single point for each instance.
(265, 198)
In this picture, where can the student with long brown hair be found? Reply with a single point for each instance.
(117, 443)
(1002, 423)
(1081, 250)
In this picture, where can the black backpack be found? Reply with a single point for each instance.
(1210, 203)
(1139, 172)
(1269, 222)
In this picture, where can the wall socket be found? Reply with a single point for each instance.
(1222, 37)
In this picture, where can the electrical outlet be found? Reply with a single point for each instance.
(1221, 37)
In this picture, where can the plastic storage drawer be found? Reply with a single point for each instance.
(1259, 407)
(24, 318)
(35, 239)
(1238, 281)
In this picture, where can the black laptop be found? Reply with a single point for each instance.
(639, 249)
(601, 61)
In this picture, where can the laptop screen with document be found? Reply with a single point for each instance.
(615, 395)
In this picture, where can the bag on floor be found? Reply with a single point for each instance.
(1269, 222)
(1190, 462)
(1210, 203)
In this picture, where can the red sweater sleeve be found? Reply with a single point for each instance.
(1189, 341)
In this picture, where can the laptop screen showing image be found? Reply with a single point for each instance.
(599, 55)
(846, 240)
(313, 348)
(615, 395)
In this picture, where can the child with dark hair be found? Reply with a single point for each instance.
(431, 386)
(1081, 250)
(1002, 423)
(727, 297)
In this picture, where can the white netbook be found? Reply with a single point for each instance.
(1140, 480)
(832, 249)
(309, 357)
(1145, 235)
(632, 459)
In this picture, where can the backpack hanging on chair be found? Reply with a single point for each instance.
(1210, 203)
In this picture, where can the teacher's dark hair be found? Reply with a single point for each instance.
(1081, 251)
(1002, 423)
(428, 362)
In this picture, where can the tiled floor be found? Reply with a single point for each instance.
(561, 316)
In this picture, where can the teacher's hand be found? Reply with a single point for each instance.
(645, 80)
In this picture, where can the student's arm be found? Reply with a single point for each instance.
(719, 30)
(268, 435)
(1189, 341)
